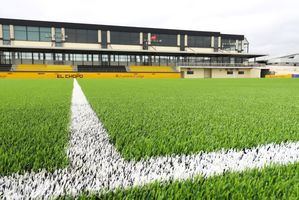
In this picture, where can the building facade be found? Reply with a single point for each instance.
(41, 42)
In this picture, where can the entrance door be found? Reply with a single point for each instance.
(207, 73)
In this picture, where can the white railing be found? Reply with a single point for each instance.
(220, 64)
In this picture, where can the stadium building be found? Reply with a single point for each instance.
(119, 51)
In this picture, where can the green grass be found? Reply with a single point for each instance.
(34, 119)
(270, 183)
(147, 118)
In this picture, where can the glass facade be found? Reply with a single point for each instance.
(117, 59)
(30, 33)
(199, 41)
(126, 38)
(163, 40)
(81, 36)
(229, 44)
(6, 34)
(58, 37)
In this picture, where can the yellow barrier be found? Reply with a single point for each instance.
(44, 67)
(279, 76)
(151, 69)
(51, 75)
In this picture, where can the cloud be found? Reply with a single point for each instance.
(270, 25)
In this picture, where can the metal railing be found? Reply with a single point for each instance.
(220, 64)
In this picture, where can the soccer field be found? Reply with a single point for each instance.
(146, 118)
(34, 118)
(150, 139)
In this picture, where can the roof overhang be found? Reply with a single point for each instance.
(126, 52)
(219, 67)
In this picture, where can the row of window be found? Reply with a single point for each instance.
(190, 72)
(81, 35)
(28, 33)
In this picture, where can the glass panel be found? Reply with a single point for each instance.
(81, 36)
(45, 34)
(20, 32)
(32, 33)
(163, 40)
(229, 44)
(125, 38)
(199, 41)
(58, 35)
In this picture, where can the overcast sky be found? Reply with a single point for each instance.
(271, 26)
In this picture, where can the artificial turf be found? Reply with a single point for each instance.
(34, 119)
(276, 182)
(146, 118)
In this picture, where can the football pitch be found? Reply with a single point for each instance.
(148, 119)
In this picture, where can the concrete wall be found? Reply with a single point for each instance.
(283, 70)
(220, 73)
(125, 47)
(198, 73)
(31, 44)
(248, 73)
(81, 45)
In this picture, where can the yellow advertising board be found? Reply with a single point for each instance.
(62, 75)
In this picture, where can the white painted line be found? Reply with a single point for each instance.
(95, 165)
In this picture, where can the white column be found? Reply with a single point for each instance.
(186, 40)
(219, 42)
(179, 40)
(212, 41)
(63, 34)
(99, 36)
(108, 37)
(141, 38)
(52, 33)
(12, 33)
(1, 33)
(149, 41)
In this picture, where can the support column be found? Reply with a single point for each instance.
(1, 35)
(219, 42)
(140, 38)
(99, 36)
(212, 41)
(52, 34)
(63, 34)
(149, 41)
(178, 40)
(12, 33)
(186, 40)
(1, 32)
(108, 37)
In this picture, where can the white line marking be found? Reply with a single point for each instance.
(95, 165)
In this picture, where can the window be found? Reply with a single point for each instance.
(125, 38)
(6, 34)
(189, 72)
(229, 44)
(31, 33)
(20, 33)
(163, 40)
(241, 72)
(81, 36)
(230, 72)
(199, 41)
(45, 34)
